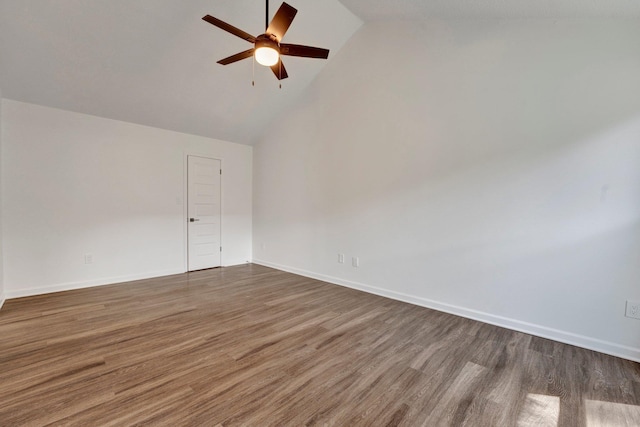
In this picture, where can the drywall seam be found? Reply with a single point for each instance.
(583, 341)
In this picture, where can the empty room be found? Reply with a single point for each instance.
(320, 213)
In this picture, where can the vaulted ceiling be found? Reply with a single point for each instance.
(370, 10)
(153, 62)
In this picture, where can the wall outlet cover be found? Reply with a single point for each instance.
(633, 309)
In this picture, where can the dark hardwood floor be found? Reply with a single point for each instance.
(249, 345)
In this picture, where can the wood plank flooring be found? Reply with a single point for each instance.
(253, 346)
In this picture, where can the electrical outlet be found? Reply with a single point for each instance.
(355, 261)
(341, 258)
(633, 309)
(88, 259)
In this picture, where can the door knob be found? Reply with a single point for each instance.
(193, 220)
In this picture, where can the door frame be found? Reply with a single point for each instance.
(185, 205)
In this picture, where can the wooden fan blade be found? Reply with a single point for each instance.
(279, 70)
(229, 28)
(281, 21)
(304, 51)
(237, 57)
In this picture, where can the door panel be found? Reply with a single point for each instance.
(204, 213)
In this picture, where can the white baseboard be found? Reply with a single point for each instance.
(11, 294)
(2, 298)
(100, 282)
(234, 262)
(583, 341)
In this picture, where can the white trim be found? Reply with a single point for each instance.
(583, 341)
(89, 283)
(234, 262)
(2, 299)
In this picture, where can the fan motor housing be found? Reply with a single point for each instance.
(265, 40)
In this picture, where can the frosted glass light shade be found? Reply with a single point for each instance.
(267, 56)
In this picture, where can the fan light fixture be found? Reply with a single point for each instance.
(267, 50)
(267, 56)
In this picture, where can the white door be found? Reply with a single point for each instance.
(203, 199)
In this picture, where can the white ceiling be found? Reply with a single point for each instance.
(153, 62)
(371, 10)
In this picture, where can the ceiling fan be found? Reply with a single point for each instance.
(268, 47)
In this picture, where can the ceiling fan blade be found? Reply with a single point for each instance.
(304, 51)
(229, 28)
(279, 70)
(281, 21)
(237, 57)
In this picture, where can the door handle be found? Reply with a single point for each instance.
(193, 220)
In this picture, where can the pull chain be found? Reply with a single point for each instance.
(253, 65)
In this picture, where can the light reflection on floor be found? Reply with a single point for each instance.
(540, 410)
(607, 414)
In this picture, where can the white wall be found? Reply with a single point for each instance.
(76, 184)
(488, 169)
(2, 294)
